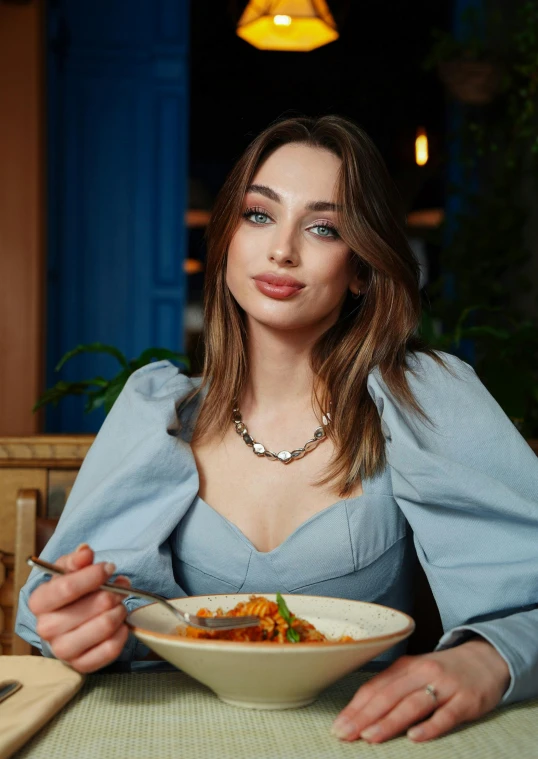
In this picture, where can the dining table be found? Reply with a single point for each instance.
(159, 712)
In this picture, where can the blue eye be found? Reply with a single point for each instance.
(260, 217)
(325, 231)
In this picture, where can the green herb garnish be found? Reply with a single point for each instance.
(291, 634)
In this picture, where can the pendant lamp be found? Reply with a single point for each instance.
(292, 25)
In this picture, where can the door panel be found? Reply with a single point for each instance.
(118, 167)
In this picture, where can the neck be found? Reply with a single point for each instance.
(280, 374)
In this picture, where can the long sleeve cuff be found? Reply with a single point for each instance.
(133, 649)
(515, 639)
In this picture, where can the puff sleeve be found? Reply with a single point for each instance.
(467, 482)
(134, 486)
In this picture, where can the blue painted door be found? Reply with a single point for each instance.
(117, 185)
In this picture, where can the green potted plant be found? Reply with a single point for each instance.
(484, 247)
(101, 392)
(506, 359)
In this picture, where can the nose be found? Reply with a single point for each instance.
(284, 248)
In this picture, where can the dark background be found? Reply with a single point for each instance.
(373, 74)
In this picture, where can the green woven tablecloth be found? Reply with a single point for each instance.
(165, 715)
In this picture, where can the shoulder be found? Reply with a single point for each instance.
(429, 375)
(148, 401)
(159, 380)
(431, 378)
(447, 390)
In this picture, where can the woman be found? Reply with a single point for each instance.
(312, 304)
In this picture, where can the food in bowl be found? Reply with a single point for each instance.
(277, 624)
(257, 675)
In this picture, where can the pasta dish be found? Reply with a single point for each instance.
(277, 624)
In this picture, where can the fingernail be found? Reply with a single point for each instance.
(124, 578)
(343, 727)
(110, 568)
(370, 732)
(81, 546)
(415, 732)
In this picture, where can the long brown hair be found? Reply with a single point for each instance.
(376, 331)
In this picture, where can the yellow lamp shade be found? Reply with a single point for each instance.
(293, 25)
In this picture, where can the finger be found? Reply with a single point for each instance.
(374, 686)
(123, 581)
(407, 712)
(61, 621)
(58, 622)
(80, 557)
(103, 654)
(73, 644)
(444, 719)
(363, 713)
(61, 591)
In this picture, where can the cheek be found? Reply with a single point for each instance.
(334, 270)
(238, 266)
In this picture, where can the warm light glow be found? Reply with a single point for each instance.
(294, 25)
(196, 217)
(421, 147)
(192, 266)
(426, 218)
(282, 20)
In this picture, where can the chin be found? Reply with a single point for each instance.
(289, 322)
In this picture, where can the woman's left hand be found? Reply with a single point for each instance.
(468, 681)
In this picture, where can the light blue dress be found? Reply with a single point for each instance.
(463, 488)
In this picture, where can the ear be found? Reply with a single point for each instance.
(358, 280)
(357, 284)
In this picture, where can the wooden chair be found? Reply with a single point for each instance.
(32, 533)
(46, 465)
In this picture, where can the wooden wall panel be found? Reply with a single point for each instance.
(21, 215)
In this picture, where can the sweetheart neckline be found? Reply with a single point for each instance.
(310, 519)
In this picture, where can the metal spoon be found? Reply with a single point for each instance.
(205, 623)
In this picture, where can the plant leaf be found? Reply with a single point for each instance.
(485, 331)
(93, 348)
(62, 389)
(95, 399)
(114, 388)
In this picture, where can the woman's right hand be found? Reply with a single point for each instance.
(84, 626)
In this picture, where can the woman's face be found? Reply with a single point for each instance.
(287, 266)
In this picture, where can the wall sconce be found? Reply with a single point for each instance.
(421, 147)
(292, 25)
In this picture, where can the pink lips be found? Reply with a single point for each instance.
(277, 286)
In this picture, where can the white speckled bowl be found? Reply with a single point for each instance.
(273, 675)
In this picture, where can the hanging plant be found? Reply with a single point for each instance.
(472, 69)
(101, 392)
(472, 82)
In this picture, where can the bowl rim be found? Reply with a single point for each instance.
(268, 645)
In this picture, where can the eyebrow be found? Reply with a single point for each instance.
(315, 205)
